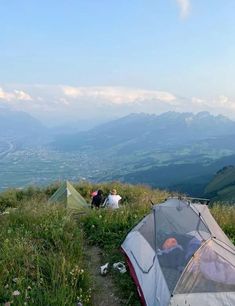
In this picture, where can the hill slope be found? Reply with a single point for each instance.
(222, 186)
(44, 254)
(16, 123)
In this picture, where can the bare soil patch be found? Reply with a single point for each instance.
(104, 290)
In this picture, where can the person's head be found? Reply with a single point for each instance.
(99, 192)
(93, 193)
(113, 192)
(169, 243)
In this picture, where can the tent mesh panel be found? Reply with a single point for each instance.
(208, 271)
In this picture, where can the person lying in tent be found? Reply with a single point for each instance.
(174, 255)
(171, 254)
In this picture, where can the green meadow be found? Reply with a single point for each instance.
(43, 247)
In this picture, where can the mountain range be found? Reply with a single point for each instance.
(178, 151)
(147, 132)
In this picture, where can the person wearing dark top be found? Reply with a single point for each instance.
(97, 200)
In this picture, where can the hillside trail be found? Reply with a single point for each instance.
(104, 290)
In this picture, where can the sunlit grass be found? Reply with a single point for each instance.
(41, 246)
(225, 216)
(41, 258)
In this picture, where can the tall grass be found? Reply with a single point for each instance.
(41, 258)
(41, 250)
(107, 229)
(225, 216)
(41, 246)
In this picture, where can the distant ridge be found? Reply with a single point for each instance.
(18, 123)
(222, 186)
(136, 131)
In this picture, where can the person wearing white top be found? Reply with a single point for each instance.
(112, 201)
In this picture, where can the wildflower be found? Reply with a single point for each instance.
(16, 293)
(5, 213)
(93, 226)
(100, 216)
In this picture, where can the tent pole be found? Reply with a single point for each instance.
(155, 228)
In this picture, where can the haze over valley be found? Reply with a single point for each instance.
(178, 151)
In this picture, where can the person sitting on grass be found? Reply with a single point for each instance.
(112, 201)
(97, 200)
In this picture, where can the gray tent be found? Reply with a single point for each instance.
(179, 256)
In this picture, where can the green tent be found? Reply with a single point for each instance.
(68, 196)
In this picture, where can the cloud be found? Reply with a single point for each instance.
(57, 103)
(117, 95)
(184, 7)
(218, 105)
(224, 102)
(15, 95)
(221, 103)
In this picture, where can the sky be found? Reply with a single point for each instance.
(69, 60)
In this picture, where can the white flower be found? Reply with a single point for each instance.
(16, 293)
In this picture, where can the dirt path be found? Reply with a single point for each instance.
(103, 287)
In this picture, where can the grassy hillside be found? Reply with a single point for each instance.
(222, 187)
(42, 258)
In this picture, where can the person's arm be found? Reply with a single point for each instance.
(105, 202)
(119, 199)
